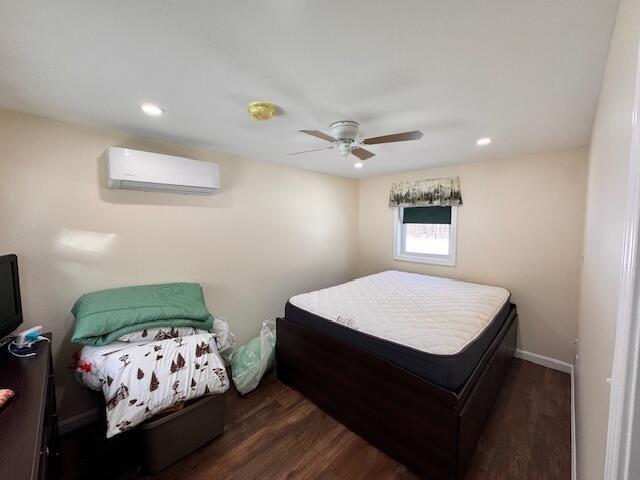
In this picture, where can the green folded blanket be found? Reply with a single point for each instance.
(104, 316)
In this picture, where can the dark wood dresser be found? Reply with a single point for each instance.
(29, 441)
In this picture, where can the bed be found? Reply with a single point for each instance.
(140, 379)
(410, 362)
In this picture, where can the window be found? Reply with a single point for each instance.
(426, 235)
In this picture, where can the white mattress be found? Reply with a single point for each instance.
(432, 314)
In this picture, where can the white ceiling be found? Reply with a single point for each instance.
(525, 72)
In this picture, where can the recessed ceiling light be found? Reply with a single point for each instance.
(484, 141)
(358, 165)
(151, 109)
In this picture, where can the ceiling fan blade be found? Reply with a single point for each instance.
(319, 134)
(396, 137)
(312, 150)
(361, 153)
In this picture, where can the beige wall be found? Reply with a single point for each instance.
(606, 199)
(520, 228)
(270, 232)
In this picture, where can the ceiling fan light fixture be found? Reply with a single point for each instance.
(358, 164)
(484, 141)
(344, 148)
(261, 110)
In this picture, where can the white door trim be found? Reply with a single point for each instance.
(624, 375)
(574, 443)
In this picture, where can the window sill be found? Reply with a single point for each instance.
(427, 259)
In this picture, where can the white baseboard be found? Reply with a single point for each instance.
(80, 420)
(548, 362)
(565, 367)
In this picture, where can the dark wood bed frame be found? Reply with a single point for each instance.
(433, 431)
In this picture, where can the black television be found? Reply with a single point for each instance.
(10, 304)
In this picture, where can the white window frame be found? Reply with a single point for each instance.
(400, 254)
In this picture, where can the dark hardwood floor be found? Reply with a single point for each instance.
(275, 432)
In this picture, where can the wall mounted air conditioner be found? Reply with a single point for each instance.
(137, 170)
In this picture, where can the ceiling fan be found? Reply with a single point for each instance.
(344, 137)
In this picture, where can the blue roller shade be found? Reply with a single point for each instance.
(433, 215)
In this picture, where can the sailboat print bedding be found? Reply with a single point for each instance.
(142, 378)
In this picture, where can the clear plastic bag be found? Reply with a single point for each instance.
(225, 339)
(251, 361)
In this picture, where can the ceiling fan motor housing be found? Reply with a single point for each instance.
(345, 130)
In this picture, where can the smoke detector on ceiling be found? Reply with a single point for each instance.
(261, 110)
